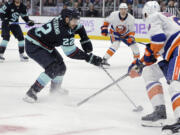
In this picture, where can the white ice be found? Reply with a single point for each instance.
(109, 113)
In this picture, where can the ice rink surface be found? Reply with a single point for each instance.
(109, 113)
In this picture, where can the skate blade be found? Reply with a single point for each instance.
(159, 123)
(29, 100)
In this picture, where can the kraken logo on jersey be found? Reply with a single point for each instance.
(121, 29)
(15, 16)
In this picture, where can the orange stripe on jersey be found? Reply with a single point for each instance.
(170, 51)
(131, 34)
(176, 104)
(106, 24)
(155, 91)
(156, 47)
(177, 68)
(110, 52)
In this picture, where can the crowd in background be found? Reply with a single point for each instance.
(93, 8)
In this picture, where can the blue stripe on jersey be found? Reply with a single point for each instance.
(169, 43)
(4, 43)
(68, 50)
(176, 95)
(43, 79)
(78, 27)
(58, 79)
(159, 37)
(151, 84)
(21, 43)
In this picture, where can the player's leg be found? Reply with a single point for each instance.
(151, 75)
(111, 51)
(5, 36)
(49, 62)
(173, 75)
(55, 86)
(17, 32)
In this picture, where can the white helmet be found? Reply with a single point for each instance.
(123, 5)
(150, 7)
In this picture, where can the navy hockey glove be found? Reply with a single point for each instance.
(30, 23)
(135, 69)
(104, 30)
(93, 59)
(149, 57)
(86, 45)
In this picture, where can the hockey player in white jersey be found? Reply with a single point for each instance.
(164, 31)
(122, 29)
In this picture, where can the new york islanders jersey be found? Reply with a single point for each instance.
(10, 12)
(119, 25)
(164, 31)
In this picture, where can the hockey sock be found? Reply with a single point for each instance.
(109, 53)
(56, 82)
(41, 81)
(3, 46)
(21, 46)
(155, 93)
(174, 91)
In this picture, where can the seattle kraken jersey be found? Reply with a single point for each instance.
(52, 34)
(10, 12)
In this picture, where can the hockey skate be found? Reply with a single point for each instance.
(156, 118)
(2, 58)
(30, 96)
(56, 89)
(173, 129)
(23, 58)
(104, 63)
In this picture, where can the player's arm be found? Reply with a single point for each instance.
(4, 11)
(104, 27)
(73, 52)
(152, 51)
(85, 41)
(25, 16)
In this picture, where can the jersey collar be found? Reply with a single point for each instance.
(122, 19)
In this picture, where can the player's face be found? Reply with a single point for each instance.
(17, 2)
(73, 23)
(123, 12)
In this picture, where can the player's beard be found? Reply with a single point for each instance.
(17, 2)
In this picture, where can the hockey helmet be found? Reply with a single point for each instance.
(123, 5)
(70, 13)
(150, 7)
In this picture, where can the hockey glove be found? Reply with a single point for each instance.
(104, 30)
(130, 40)
(86, 45)
(149, 57)
(93, 59)
(30, 23)
(135, 69)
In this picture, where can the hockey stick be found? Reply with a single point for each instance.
(23, 23)
(137, 108)
(101, 90)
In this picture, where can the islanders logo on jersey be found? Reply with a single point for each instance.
(121, 29)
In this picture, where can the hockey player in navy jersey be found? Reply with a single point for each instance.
(40, 45)
(9, 14)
